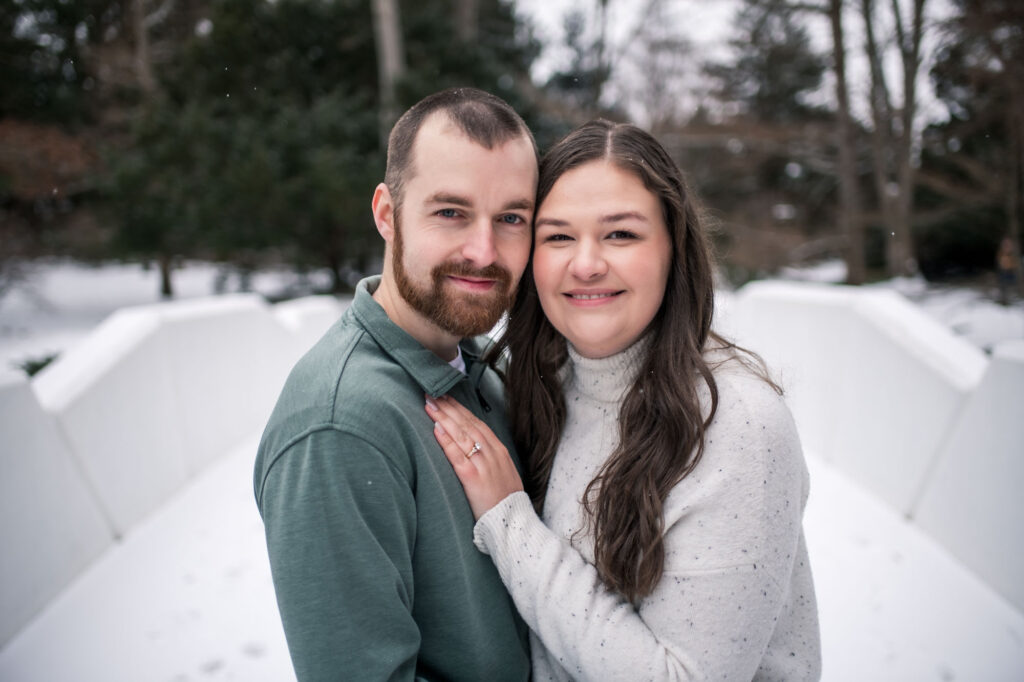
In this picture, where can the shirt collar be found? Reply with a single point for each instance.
(459, 362)
(435, 376)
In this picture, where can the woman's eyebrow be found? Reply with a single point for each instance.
(604, 220)
(554, 222)
(625, 215)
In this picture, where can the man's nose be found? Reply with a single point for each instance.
(479, 245)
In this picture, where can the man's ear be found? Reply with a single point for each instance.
(384, 212)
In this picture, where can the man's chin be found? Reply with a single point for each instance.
(465, 328)
(469, 318)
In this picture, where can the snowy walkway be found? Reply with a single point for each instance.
(186, 593)
(187, 596)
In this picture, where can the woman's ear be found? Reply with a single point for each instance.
(383, 212)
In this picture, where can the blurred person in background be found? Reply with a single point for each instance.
(1006, 270)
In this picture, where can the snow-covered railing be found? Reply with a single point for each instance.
(108, 432)
(913, 413)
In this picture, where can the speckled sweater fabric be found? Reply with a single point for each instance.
(736, 600)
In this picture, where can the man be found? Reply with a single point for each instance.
(368, 529)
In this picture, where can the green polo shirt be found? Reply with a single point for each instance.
(368, 530)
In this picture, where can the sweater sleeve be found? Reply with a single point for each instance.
(732, 534)
(340, 525)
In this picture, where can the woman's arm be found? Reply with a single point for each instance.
(732, 532)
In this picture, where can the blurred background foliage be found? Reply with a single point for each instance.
(250, 132)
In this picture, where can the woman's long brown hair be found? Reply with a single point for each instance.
(660, 422)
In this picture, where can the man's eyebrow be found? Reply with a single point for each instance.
(457, 200)
(446, 198)
(519, 205)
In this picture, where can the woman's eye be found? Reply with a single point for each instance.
(622, 234)
(557, 238)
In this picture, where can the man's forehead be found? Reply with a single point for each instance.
(442, 122)
(435, 139)
(439, 124)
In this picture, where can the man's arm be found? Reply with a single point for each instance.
(341, 523)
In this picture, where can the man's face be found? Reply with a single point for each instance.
(464, 229)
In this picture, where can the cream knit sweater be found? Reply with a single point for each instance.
(736, 600)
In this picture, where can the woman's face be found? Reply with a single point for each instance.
(601, 257)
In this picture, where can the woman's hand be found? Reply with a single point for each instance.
(479, 459)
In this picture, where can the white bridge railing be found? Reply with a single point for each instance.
(108, 432)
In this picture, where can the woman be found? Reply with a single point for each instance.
(665, 466)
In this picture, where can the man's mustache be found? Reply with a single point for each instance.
(463, 269)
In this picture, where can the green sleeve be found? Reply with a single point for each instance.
(340, 520)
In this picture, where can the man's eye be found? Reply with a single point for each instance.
(448, 213)
(512, 219)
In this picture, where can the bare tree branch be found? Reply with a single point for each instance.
(850, 220)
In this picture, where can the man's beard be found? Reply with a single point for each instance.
(458, 314)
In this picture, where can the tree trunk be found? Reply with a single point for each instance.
(338, 283)
(893, 134)
(881, 132)
(1015, 132)
(604, 69)
(851, 221)
(910, 55)
(142, 56)
(166, 288)
(387, 29)
(467, 20)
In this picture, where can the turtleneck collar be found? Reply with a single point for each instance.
(604, 379)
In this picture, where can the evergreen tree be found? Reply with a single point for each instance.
(775, 174)
(970, 179)
(263, 142)
(582, 81)
(41, 48)
(775, 69)
(496, 58)
(156, 187)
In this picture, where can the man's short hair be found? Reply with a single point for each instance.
(486, 119)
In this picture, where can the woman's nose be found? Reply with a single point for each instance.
(588, 262)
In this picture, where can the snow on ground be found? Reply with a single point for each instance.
(894, 605)
(186, 594)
